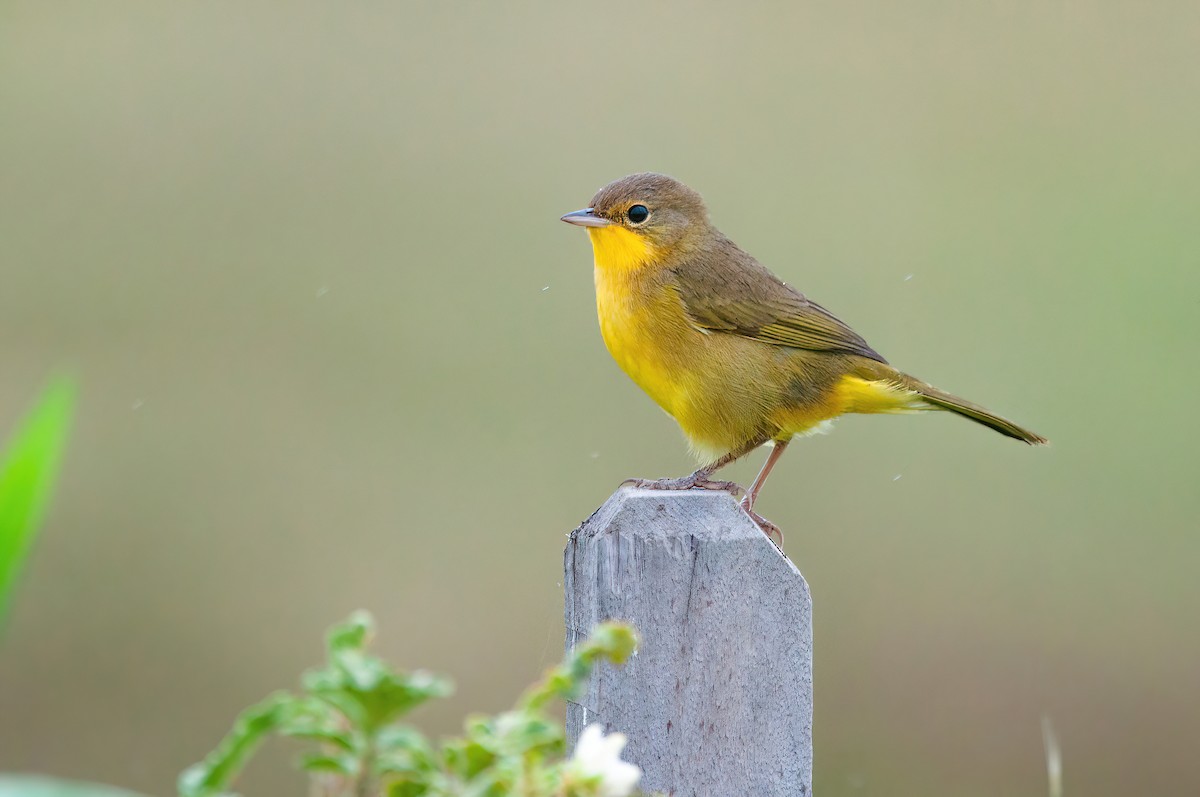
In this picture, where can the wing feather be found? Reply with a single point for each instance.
(727, 290)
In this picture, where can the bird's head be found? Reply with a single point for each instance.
(642, 219)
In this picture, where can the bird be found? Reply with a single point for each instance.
(739, 358)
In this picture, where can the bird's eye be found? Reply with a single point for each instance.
(638, 213)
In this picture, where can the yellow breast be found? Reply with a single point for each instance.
(641, 321)
(619, 250)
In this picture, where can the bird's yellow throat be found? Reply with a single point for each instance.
(618, 249)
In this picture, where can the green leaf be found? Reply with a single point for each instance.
(386, 698)
(407, 788)
(613, 641)
(521, 733)
(332, 737)
(27, 472)
(467, 758)
(403, 750)
(363, 687)
(337, 765)
(351, 635)
(213, 776)
(41, 786)
(315, 720)
(489, 785)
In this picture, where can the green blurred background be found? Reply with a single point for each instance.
(336, 350)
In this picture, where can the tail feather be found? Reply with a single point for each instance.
(940, 399)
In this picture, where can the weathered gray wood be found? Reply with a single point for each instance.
(717, 701)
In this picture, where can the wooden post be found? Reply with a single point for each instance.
(718, 699)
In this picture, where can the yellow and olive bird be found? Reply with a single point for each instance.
(738, 357)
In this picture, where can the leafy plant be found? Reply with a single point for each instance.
(28, 467)
(350, 712)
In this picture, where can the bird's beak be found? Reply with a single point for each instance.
(586, 218)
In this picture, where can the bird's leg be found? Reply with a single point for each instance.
(774, 534)
(701, 478)
(761, 478)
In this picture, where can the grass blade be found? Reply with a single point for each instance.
(1053, 758)
(28, 466)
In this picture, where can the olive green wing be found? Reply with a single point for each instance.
(726, 290)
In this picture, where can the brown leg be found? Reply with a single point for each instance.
(761, 478)
(770, 529)
(700, 479)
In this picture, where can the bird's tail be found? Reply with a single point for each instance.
(940, 399)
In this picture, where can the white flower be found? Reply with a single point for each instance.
(598, 757)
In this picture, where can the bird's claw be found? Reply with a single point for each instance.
(773, 532)
(693, 482)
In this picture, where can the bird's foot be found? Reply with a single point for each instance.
(696, 481)
(773, 532)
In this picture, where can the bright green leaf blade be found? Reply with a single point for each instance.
(41, 786)
(27, 470)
